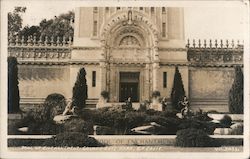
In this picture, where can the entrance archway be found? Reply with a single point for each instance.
(128, 37)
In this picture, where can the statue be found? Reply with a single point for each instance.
(186, 111)
(129, 104)
(70, 109)
(184, 102)
(69, 112)
(129, 17)
(164, 103)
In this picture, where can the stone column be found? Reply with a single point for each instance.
(103, 68)
(103, 76)
(147, 82)
(156, 66)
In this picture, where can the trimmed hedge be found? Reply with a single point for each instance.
(80, 90)
(25, 142)
(68, 139)
(207, 127)
(226, 121)
(236, 93)
(54, 105)
(72, 139)
(78, 125)
(13, 88)
(194, 138)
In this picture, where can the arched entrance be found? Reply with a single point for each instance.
(129, 41)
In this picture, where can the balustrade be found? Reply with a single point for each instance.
(215, 52)
(42, 48)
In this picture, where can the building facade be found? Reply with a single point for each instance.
(127, 51)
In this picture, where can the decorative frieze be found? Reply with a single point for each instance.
(32, 50)
(217, 52)
(51, 51)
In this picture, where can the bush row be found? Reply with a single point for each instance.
(67, 139)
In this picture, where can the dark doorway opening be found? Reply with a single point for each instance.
(129, 86)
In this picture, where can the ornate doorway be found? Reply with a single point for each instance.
(129, 86)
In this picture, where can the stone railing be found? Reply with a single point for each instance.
(44, 49)
(217, 52)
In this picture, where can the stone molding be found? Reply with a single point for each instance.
(227, 55)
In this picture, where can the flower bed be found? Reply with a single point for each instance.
(119, 121)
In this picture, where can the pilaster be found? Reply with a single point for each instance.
(156, 68)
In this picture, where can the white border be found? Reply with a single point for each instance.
(5, 153)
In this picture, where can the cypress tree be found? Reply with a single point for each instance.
(13, 90)
(80, 90)
(236, 93)
(178, 91)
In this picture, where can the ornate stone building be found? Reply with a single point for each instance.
(128, 51)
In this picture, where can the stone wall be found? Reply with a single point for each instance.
(209, 87)
(36, 82)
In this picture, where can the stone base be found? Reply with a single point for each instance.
(134, 140)
(142, 140)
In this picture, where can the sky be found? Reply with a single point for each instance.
(201, 22)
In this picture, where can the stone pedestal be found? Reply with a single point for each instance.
(102, 103)
(156, 105)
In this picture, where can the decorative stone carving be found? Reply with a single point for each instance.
(129, 41)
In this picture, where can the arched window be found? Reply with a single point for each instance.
(152, 10)
(107, 9)
(163, 10)
(95, 28)
(163, 29)
(95, 10)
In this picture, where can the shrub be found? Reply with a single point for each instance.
(105, 94)
(169, 124)
(78, 125)
(54, 105)
(25, 142)
(178, 91)
(236, 93)
(208, 127)
(226, 121)
(13, 90)
(156, 94)
(169, 113)
(117, 118)
(72, 139)
(44, 128)
(37, 126)
(202, 116)
(193, 138)
(80, 90)
(144, 106)
(132, 119)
